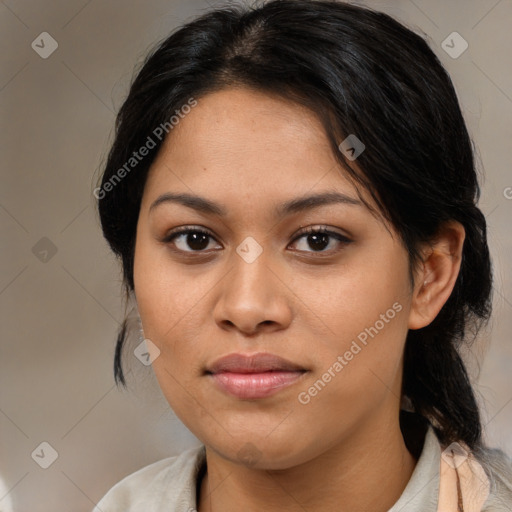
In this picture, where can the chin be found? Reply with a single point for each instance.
(257, 451)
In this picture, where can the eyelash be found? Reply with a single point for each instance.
(343, 240)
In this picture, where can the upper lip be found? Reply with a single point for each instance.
(256, 363)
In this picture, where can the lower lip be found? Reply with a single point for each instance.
(255, 385)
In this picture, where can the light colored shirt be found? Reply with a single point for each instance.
(170, 485)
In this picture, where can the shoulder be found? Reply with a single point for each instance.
(169, 480)
(498, 467)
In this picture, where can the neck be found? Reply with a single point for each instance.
(367, 471)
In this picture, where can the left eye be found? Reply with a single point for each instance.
(318, 239)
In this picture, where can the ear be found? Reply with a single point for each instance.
(435, 280)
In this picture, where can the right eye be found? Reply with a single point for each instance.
(189, 239)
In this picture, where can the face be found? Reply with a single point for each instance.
(324, 285)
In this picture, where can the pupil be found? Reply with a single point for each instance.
(192, 241)
(316, 237)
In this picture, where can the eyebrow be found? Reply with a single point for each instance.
(296, 205)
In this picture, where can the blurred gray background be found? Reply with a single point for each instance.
(60, 287)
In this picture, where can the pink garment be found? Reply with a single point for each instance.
(463, 483)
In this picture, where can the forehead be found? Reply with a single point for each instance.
(250, 146)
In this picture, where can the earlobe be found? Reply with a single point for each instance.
(435, 281)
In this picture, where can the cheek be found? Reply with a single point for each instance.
(359, 370)
(166, 296)
(352, 301)
(170, 302)
(365, 311)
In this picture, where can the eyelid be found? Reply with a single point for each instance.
(186, 229)
(321, 228)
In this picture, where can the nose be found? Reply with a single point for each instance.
(253, 298)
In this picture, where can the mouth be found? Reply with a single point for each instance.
(255, 376)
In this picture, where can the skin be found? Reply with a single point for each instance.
(249, 152)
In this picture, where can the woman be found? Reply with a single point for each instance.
(292, 193)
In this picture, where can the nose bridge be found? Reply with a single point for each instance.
(251, 274)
